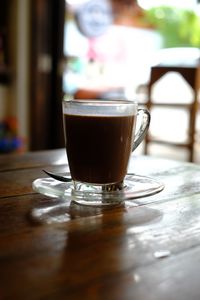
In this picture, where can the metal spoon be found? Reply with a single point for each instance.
(58, 177)
(64, 178)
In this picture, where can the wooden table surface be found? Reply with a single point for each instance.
(146, 249)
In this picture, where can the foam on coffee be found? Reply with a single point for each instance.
(99, 108)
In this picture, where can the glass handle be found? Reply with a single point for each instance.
(144, 126)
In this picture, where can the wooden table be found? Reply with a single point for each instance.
(147, 249)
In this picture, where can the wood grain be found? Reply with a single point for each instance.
(100, 253)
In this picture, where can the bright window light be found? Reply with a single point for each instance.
(146, 4)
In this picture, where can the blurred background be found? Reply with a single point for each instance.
(96, 49)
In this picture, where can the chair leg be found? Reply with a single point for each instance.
(148, 105)
(192, 126)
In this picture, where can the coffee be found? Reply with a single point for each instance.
(98, 147)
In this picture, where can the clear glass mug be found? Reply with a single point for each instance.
(100, 137)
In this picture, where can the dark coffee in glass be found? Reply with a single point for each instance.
(98, 147)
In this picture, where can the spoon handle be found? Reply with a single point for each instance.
(57, 176)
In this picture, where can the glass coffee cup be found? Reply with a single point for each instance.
(100, 137)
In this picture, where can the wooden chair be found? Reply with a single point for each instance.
(186, 62)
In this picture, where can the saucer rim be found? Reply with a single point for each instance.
(120, 195)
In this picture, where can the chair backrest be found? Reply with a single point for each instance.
(178, 56)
